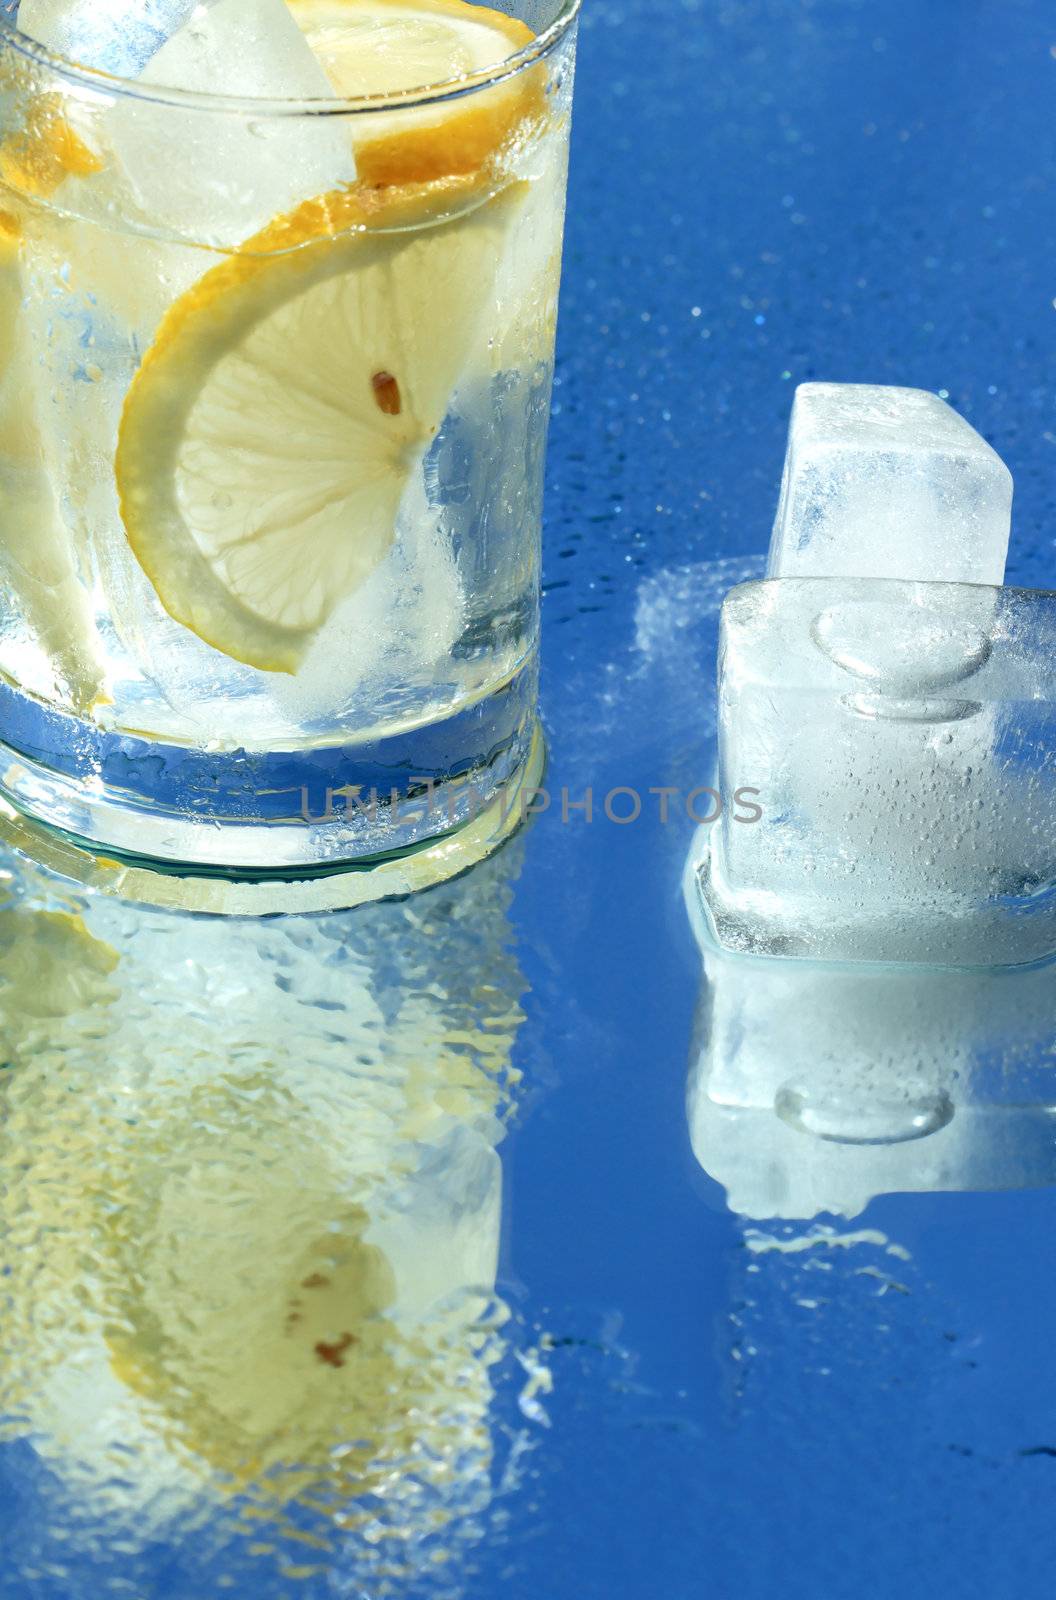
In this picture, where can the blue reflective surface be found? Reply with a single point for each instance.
(688, 1401)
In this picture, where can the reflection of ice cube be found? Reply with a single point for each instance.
(815, 1088)
(888, 483)
(116, 36)
(442, 1231)
(908, 809)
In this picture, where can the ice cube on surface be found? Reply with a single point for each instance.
(909, 812)
(815, 1088)
(882, 482)
(117, 36)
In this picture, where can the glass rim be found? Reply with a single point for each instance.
(109, 84)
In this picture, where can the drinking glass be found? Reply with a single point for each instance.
(273, 411)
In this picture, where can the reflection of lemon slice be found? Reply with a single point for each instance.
(383, 47)
(50, 967)
(249, 1306)
(10, 239)
(288, 398)
(247, 1263)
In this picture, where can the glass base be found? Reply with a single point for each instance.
(250, 812)
(283, 891)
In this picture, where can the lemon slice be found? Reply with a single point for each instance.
(39, 564)
(45, 151)
(288, 399)
(380, 47)
(385, 47)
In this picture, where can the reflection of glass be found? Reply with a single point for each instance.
(251, 1220)
(272, 432)
(815, 1088)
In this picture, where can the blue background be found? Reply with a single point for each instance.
(762, 192)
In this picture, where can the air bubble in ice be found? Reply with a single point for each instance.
(857, 1119)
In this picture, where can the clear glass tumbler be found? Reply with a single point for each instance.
(274, 398)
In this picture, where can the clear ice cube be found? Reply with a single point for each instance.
(816, 1088)
(901, 738)
(884, 482)
(240, 47)
(208, 174)
(233, 172)
(116, 36)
